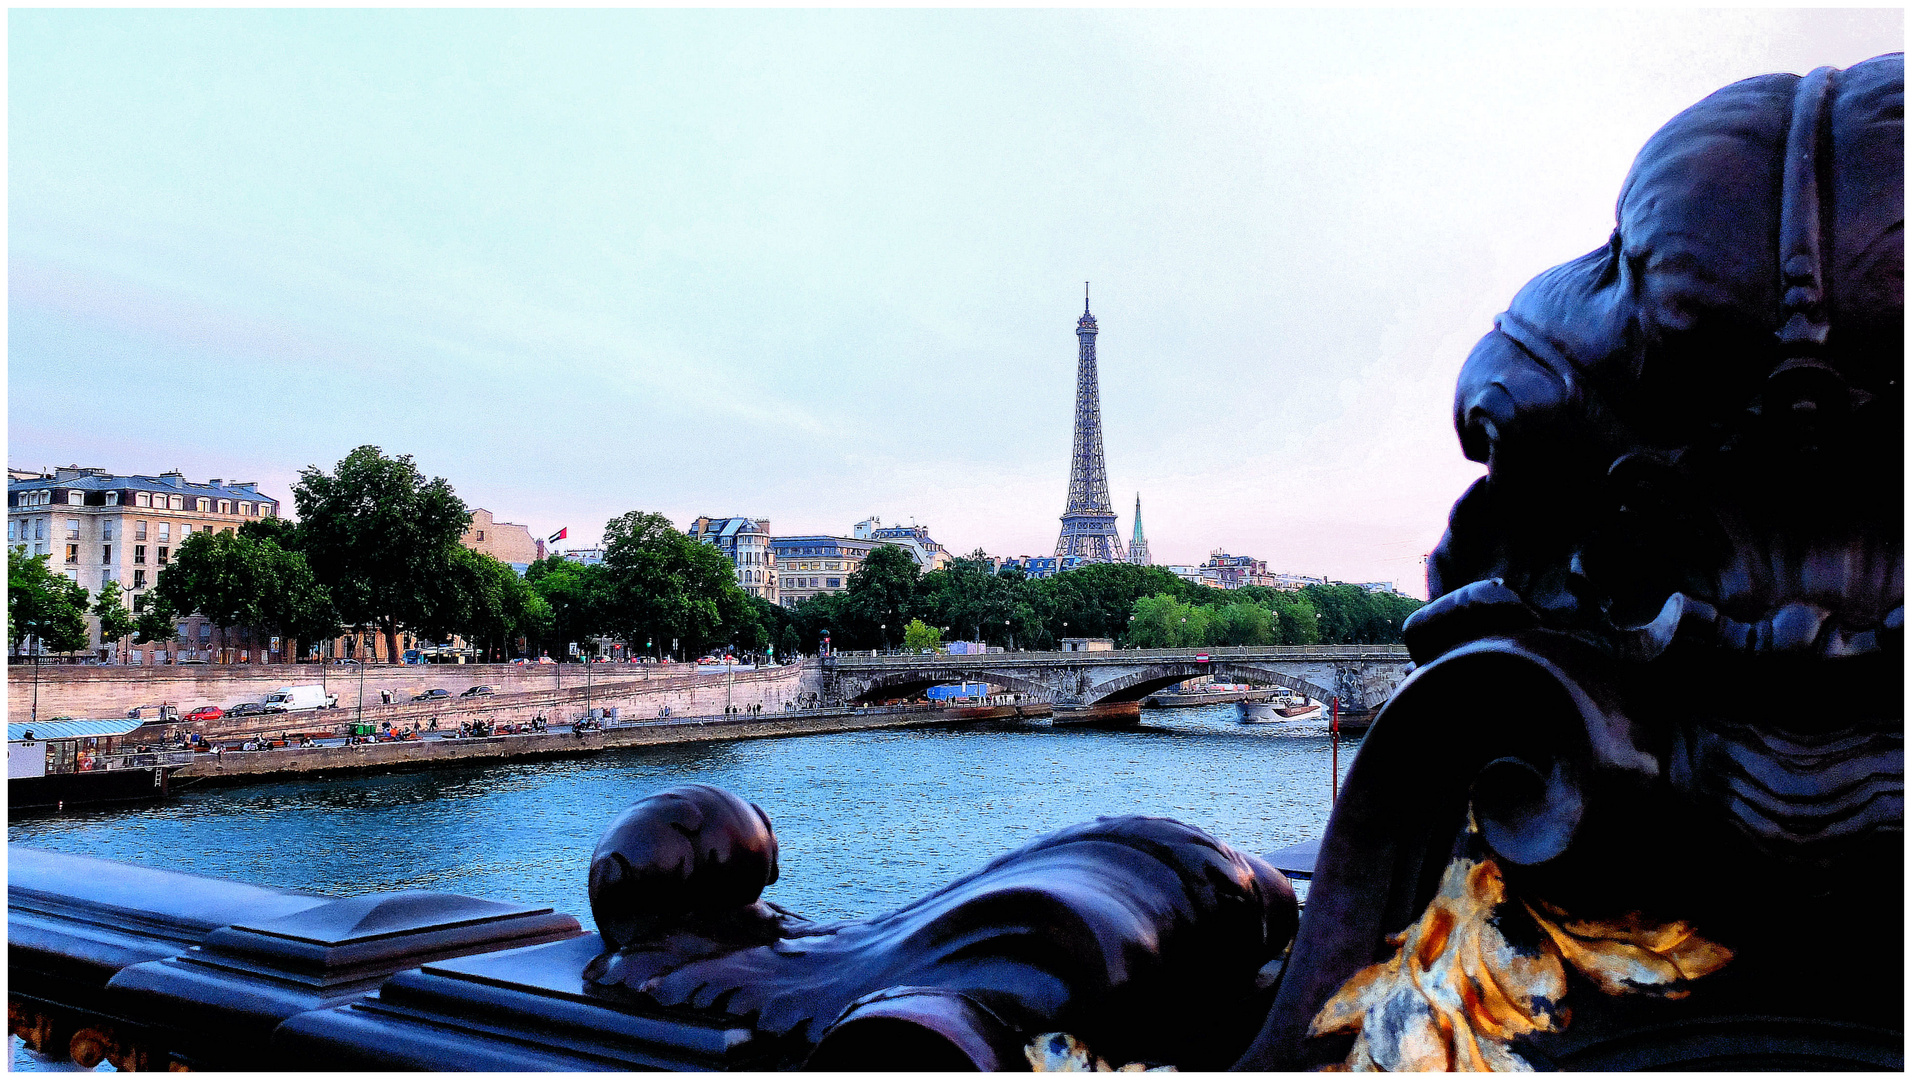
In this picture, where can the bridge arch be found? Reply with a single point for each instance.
(912, 682)
(1140, 684)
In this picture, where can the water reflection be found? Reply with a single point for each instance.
(866, 821)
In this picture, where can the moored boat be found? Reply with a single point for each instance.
(68, 761)
(1285, 706)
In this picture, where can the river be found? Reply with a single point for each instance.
(865, 821)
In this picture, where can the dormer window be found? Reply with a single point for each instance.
(225, 505)
(141, 498)
(178, 502)
(76, 498)
(245, 509)
(204, 506)
(112, 498)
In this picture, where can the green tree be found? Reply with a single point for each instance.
(575, 598)
(380, 536)
(664, 585)
(1163, 622)
(116, 622)
(919, 637)
(43, 606)
(1351, 615)
(1242, 624)
(883, 589)
(240, 580)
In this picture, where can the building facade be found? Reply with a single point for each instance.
(1238, 571)
(746, 543)
(100, 527)
(915, 539)
(816, 565)
(1041, 566)
(510, 544)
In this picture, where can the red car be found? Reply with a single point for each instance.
(206, 712)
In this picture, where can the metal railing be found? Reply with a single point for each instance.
(1217, 654)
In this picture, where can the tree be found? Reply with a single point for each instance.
(116, 622)
(379, 535)
(240, 580)
(921, 638)
(664, 585)
(883, 589)
(575, 599)
(1350, 614)
(487, 603)
(43, 606)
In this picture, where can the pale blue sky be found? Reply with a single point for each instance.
(821, 265)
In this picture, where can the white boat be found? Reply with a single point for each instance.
(1286, 705)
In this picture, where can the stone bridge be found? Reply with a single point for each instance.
(1362, 676)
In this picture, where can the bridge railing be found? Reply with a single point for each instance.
(1315, 653)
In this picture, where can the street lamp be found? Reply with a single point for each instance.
(885, 627)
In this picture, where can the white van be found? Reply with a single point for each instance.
(299, 698)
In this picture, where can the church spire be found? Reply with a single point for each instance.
(1138, 546)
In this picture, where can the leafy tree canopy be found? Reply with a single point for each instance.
(381, 536)
(44, 605)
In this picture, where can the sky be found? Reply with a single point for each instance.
(821, 265)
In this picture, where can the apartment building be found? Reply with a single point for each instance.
(810, 566)
(101, 527)
(746, 542)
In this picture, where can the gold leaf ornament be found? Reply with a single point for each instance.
(1456, 992)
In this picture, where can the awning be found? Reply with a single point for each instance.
(70, 729)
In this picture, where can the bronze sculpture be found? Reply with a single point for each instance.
(1604, 824)
(1142, 935)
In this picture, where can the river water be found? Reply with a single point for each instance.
(865, 821)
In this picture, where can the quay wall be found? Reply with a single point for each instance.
(104, 692)
(685, 694)
(243, 767)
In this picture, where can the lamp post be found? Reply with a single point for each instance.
(885, 627)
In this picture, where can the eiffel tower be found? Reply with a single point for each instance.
(1088, 522)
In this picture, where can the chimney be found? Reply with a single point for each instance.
(216, 482)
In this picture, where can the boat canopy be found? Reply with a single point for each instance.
(70, 729)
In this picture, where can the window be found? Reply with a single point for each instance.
(204, 506)
(13, 530)
(835, 583)
(139, 530)
(139, 579)
(833, 566)
(481, 533)
(72, 528)
(265, 509)
(165, 531)
(162, 555)
(73, 574)
(245, 510)
(185, 529)
(176, 502)
(76, 498)
(112, 498)
(106, 554)
(73, 553)
(225, 505)
(142, 498)
(139, 555)
(39, 528)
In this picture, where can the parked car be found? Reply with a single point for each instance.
(246, 708)
(546, 660)
(432, 695)
(199, 662)
(344, 660)
(519, 661)
(479, 691)
(206, 712)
